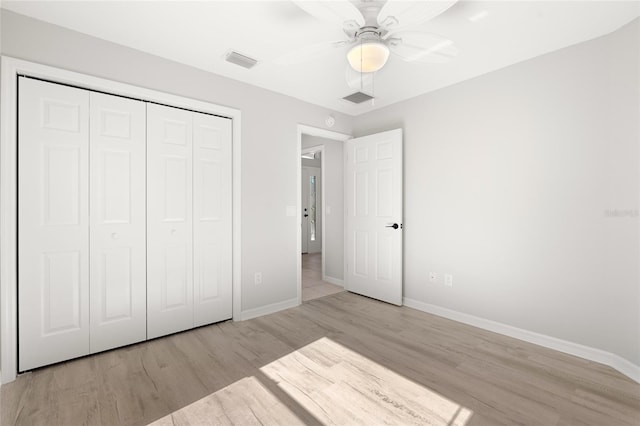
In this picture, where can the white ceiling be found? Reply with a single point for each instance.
(200, 33)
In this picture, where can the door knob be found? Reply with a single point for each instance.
(306, 215)
(394, 226)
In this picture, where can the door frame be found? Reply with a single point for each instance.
(304, 129)
(10, 69)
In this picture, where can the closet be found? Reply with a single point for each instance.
(124, 221)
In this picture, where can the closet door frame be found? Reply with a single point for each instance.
(11, 68)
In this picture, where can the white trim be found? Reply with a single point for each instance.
(8, 221)
(592, 354)
(345, 240)
(331, 280)
(269, 309)
(11, 68)
(299, 217)
(322, 133)
(236, 145)
(327, 134)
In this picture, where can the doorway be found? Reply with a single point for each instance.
(362, 238)
(320, 212)
(313, 285)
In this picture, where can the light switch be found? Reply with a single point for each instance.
(448, 280)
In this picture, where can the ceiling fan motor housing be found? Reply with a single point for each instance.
(365, 34)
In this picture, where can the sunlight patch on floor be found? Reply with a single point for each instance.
(325, 383)
(338, 385)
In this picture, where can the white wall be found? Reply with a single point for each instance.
(269, 130)
(334, 203)
(508, 178)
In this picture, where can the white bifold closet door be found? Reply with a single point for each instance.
(124, 229)
(212, 238)
(81, 277)
(53, 223)
(188, 220)
(117, 226)
(169, 220)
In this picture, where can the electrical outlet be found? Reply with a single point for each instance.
(433, 277)
(257, 278)
(448, 280)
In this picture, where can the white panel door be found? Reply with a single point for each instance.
(212, 286)
(118, 221)
(53, 224)
(169, 220)
(311, 210)
(373, 228)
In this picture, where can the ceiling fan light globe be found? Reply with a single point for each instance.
(368, 57)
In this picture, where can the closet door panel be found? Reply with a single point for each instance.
(53, 223)
(118, 221)
(212, 219)
(169, 220)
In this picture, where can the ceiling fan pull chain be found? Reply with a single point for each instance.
(361, 76)
(373, 89)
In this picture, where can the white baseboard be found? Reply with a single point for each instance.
(332, 280)
(592, 354)
(269, 309)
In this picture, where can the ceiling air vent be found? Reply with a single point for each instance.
(240, 59)
(358, 97)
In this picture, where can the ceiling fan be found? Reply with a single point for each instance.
(374, 28)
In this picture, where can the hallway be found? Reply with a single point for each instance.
(312, 285)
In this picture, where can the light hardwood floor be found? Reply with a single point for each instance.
(339, 359)
(312, 284)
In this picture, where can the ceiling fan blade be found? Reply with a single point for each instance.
(396, 14)
(415, 46)
(310, 52)
(339, 12)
